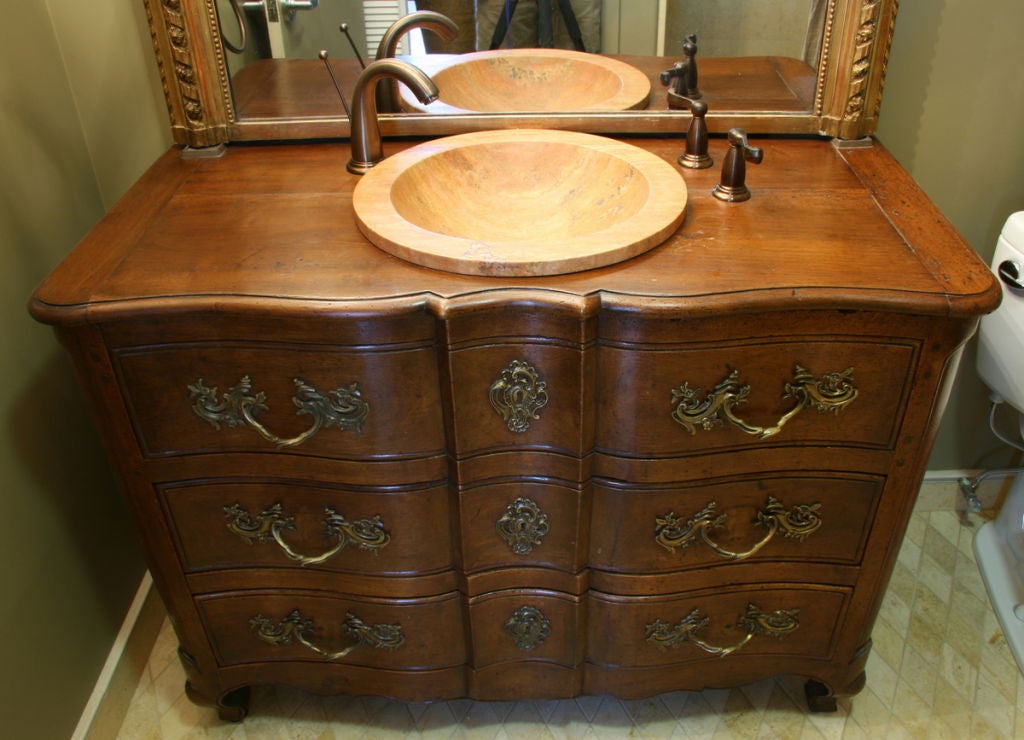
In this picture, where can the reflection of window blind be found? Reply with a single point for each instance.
(378, 15)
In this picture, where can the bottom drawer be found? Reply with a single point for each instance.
(766, 619)
(526, 625)
(256, 626)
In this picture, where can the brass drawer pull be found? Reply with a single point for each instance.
(693, 410)
(518, 394)
(291, 629)
(341, 407)
(528, 627)
(523, 525)
(776, 624)
(671, 532)
(366, 534)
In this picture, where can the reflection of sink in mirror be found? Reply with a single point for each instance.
(529, 80)
(520, 202)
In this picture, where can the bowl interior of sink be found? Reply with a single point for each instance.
(553, 190)
(520, 202)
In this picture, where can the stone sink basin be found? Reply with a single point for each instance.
(520, 202)
(529, 80)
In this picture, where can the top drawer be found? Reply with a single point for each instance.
(363, 403)
(661, 403)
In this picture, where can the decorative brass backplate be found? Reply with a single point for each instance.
(344, 408)
(694, 410)
(671, 532)
(523, 525)
(269, 524)
(528, 627)
(776, 624)
(292, 628)
(518, 394)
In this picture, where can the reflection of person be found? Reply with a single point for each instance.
(563, 24)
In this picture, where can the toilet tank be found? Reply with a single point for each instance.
(1001, 335)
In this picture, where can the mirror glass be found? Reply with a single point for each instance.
(753, 56)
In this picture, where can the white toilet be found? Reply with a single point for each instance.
(999, 544)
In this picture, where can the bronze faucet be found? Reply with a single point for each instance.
(696, 156)
(733, 188)
(442, 25)
(366, 146)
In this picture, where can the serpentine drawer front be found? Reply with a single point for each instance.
(768, 619)
(202, 398)
(523, 395)
(355, 475)
(247, 627)
(838, 391)
(778, 517)
(535, 523)
(232, 524)
(517, 625)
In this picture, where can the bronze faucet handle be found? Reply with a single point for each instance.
(696, 155)
(733, 188)
(738, 140)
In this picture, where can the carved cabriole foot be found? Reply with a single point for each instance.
(231, 706)
(822, 698)
(819, 697)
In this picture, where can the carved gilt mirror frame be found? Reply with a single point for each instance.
(191, 58)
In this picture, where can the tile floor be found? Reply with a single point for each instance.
(940, 668)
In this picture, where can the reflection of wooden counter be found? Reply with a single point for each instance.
(742, 84)
(547, 486)
(292, 88)
(301, 88)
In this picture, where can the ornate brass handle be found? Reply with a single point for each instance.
(831, 392)
(671, 532)
(523, 525)
(528, 627)
(344, 408)
(268, 525)
(755, 622)
(291, 629)
(518, 394)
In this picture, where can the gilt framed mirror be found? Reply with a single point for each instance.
(230, 74)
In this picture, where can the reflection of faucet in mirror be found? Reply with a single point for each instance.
(733, 188)
(682, 78)
(442, 25)
(366, 146)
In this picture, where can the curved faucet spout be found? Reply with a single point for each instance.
(366, 146)
(441, 25)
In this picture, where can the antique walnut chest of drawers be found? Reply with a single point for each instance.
(352, 474)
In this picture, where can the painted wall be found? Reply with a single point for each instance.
(952, 115)
(82, 117)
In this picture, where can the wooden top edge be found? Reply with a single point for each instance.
(898, 255)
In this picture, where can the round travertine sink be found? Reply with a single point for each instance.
(529, 80)
(520, 202)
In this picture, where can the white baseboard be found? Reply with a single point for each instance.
(108, 704)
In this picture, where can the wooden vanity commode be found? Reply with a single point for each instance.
(352, 474)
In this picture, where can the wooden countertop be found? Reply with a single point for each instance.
(273, 224)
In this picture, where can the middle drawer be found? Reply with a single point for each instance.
(233, 524)
(781, 516)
